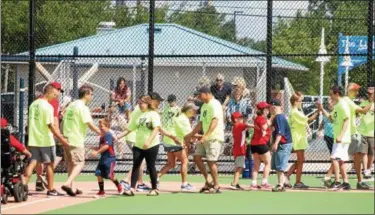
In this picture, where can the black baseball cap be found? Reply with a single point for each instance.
(156, 96)
(171, 98)
(204, 90)
(275, 102)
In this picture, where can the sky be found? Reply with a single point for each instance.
(252, 21)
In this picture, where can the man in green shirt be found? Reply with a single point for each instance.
(358, 149)
(212, 123)
(41, 131)
(366, 129)
(76, 119)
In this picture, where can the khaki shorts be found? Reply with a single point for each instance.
(74, 155)
(210, 150)
(368, 143)
(240, 162)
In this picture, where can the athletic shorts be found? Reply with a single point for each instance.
(59, 151)
(210, 149)
(106, 169)
(329, 143)
(368, 142)
(356, 145)
(74, 155)
(172, 148)
(43, 154)
(340, 151)
(239, 161)
(280, 158)
(259, 149)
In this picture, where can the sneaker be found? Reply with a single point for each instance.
(79, 192)
(254, 187)
(335, 185)
(288, 185)
(278, 188)
(143, 188)
(363, 186)
(345, 186)
(300, 186)
(266, 186)
(39, 186)
(125, 185)
(367, 174)
(68, 190)
(187, 187)
(327, 183)
(206, 187)
(120, 189)
(54, 193)
(215, 190)
(100, 194)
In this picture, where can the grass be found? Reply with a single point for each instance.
(229, 202)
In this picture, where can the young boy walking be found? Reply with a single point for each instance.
(107, 160)
(239, 147)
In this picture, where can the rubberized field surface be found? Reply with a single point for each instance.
(172, 201)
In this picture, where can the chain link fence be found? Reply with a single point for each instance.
(97, 42)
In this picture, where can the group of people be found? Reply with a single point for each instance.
(275, 136)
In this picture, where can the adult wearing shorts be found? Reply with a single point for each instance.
(366, 129)
(340, 117)
(298, 122)
(76, 120)
(282, 146)
(358, 148)
(212, 124)
(41, 141)
(259, 146)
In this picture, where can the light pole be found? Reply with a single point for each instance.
(347, 63)
(322, 60)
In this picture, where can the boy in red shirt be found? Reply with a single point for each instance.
(239, 147)
(14, 142)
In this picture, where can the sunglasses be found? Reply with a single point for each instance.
(219, 80)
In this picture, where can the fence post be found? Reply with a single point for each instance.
(151, 46)
(269, 51)
(370, 41)
(75, 73)
(31, 52)
(21, 109)
(112, 87)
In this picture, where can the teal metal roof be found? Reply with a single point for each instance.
(170, 39)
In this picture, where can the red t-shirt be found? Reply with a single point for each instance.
(239, 137)
(16, 144)
(258, 138)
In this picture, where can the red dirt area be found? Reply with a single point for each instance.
(38, 202)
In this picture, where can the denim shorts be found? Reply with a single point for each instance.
(280, 158)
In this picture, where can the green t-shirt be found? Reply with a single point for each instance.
(209, 111)
(144, 126)
(75, 120)
(182, 127)
(366, 128)
(298, 121)
(340, 112)
(167, 121)
(40, 116)
(133, 117)
(352, 108)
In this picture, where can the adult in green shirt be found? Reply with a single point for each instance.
(357, 146)
(366, 129)
(41, 141)
(181, 127)
(212, 123)
(340, 118)
(76, 120)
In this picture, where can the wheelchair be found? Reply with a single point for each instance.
(13, 166)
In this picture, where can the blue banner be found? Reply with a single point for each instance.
(357, 45)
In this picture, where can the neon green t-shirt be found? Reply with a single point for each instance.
(366, 128)
(40, 116)
(167, 121)
(297, 122)
(133, 117)
(353, 107)
(182, 127)
(144, 126)
(340, 112)
(209, 111)
(75, 121)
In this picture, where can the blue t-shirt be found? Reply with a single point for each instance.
(282, 128)
(109, 154)
(328, 127)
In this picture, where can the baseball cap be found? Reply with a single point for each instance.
(204, 90)
(4, 122)
(188, 106)
(57, 85)
(171, 98)
(262, 105)
(236, 115)
(275, 102)
(354, 86)
(156, 96)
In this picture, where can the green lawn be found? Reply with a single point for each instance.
(229, 202)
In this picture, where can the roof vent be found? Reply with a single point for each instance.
(105, 27)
